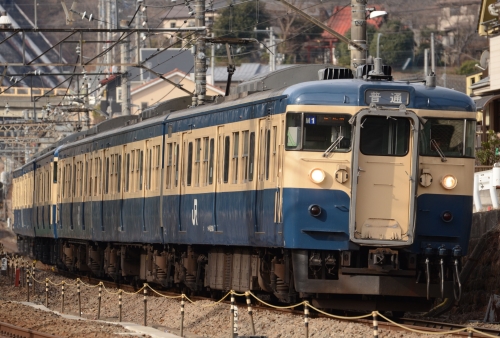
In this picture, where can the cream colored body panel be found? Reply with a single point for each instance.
(461, 168)
(300, 163)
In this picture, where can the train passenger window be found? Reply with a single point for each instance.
(64, 182)
(106, 177)
(197, 158)
(86, 178)
(317, 132)
(384, 136)
(168, 174)
(127, 172)
(251, 156)
(236, 143)
(205, 161)
(189, 164)
(55, 172)
(274, 157)
(119, 173)
(140, 166)
(268, 149)
(293, 130)
(176, 164)
(132, 170)
(451, 137)
(137, 169)
(99, 174)
(226, 159)
(68, 180)
(244, 155)
(90, 178)
(211, 163)
(112, 176)
(157, 176)
(150, 168)
(74, 180)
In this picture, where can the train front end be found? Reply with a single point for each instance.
(377, 198)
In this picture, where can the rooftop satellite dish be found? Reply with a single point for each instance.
(484, 61)
(494, 9)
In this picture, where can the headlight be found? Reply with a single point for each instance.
(317, 175)
(449, 182)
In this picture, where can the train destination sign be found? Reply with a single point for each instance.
(387, 97)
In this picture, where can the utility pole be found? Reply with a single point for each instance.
(271, 48)
(125, 58)
(108, 34)
(272, 57)
(200, 60)
(426, 61)
(212, 61)
(138, 21)
(358, 33)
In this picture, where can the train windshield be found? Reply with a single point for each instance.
(318, 132)
(451, 137)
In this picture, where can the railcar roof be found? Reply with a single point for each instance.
(351, 92)
(205, 109)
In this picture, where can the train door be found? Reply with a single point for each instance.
(152, 184)
(97, 204)
(385, 163)
(263, 167)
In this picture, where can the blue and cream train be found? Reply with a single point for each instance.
(352, 193)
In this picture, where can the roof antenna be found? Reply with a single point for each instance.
(430, 80)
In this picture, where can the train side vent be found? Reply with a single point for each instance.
(335, 74)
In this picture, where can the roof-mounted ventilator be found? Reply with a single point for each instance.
(335, 74)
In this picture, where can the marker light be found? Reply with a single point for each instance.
(447, 216)
(449, 182)
(315, 210)
(317, 175)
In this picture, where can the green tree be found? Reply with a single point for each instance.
(239, 21)
(396, 44)
(468, 68)
(489, 152)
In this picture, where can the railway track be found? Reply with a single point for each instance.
(407, 323)
(9, 330)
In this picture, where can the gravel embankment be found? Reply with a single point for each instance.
(203, 318)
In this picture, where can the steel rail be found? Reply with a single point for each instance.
(10, 330)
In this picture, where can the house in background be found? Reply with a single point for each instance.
(158, 90)
(340, 21)
(456, 24)
(485, 87)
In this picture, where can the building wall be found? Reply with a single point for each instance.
(494, 67)
(470, 80)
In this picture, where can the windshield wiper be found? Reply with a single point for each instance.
(333, 146)
(439, 151)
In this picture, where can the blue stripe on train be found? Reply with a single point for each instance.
(328, 231)
(432, 230)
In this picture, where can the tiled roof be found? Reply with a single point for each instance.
(340, 21)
